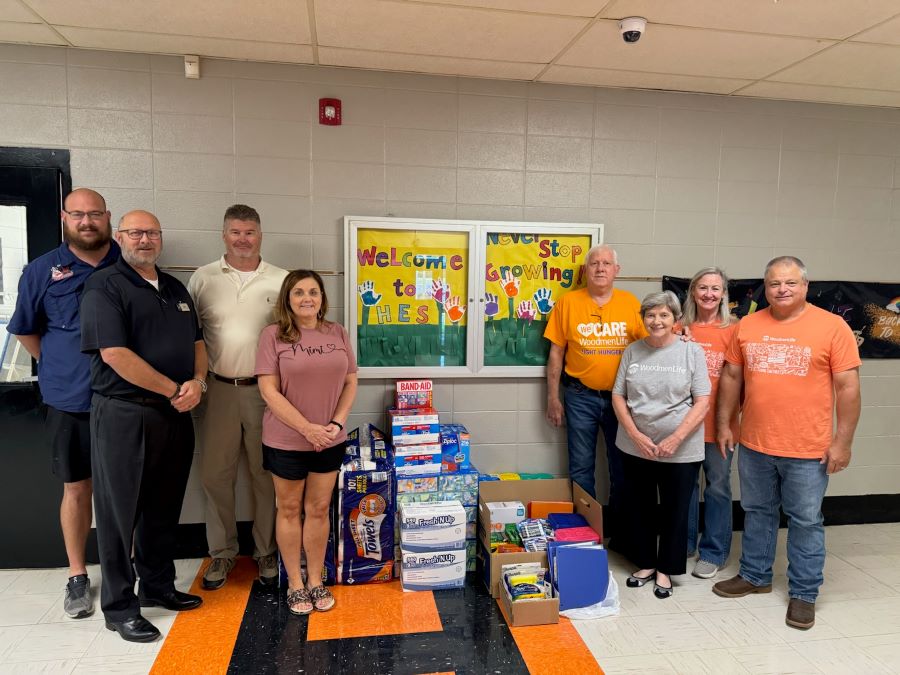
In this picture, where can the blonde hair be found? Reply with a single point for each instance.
(690, 305)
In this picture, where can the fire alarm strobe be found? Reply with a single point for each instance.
(330, 111)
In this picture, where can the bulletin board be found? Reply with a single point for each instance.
(457, 298)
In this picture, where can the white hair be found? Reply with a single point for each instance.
(600, 247)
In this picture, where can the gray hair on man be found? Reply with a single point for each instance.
(597, 248)
(786, 260)
(659, 299)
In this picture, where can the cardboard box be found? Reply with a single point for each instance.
(528, 612)
(436, 526)
(554, 489)
(432, 570)
(414, 394)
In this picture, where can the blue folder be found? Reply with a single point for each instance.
(581, 575)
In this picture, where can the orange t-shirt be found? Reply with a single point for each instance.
(715, 340)
(788, 386)
(594, 337)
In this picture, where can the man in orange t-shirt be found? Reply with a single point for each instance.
(588, 331)
(798, 364)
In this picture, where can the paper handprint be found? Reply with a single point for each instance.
(542, 298)
(440, 291)
(454, 311)
(367, 293)
(526, 310)
(510, 284)
(491, 307)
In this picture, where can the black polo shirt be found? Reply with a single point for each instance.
(122, 309)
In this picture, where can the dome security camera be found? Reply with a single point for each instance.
(632, 28)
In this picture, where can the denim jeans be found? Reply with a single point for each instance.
(587, 412)
(797, 486)
(715, 544)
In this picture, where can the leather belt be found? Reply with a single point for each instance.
(235, 381)
(156, 402)
(569, 381)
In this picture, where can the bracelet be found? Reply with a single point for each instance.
(177, 391)
(337, 424)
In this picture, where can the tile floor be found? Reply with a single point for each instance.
(857, 628)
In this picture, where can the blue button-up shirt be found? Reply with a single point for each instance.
(49, 296)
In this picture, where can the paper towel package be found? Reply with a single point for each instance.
(433, 570)
(366, 512)
(434, 526)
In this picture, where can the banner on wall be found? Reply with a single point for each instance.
(871, 309)
(412, 297)
(524, 275)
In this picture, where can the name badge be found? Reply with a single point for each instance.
(60, 272)
(183, 307)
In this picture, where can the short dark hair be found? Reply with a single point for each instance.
(241, 212)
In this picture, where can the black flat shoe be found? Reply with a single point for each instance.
(637, 582)
(135, 629)
(174, 600)
(663, 592)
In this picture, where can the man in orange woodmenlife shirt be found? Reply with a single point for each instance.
(588, 330)
(798, 363)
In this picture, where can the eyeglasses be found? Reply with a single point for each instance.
(135, 235)
(92, 215)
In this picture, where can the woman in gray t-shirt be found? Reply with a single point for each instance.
(661, 396)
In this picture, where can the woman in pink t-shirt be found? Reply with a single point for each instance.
(307, 377)
(707, 316)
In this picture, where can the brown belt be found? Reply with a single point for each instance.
(235, 381)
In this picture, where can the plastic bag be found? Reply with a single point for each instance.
(608, 607)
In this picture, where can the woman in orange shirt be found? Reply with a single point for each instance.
(711, 325)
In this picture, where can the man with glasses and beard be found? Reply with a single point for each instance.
(148, 370)
(46, 322)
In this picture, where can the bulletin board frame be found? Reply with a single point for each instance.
(387, 239)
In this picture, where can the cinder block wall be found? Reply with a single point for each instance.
(680, 181)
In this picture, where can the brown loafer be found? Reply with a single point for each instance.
(738, 587)
(800, 614)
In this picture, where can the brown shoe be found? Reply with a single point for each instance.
(800, 614)
(738, 587)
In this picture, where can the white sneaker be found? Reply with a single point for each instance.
(705, 570)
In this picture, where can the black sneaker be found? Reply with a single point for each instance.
(78, 603)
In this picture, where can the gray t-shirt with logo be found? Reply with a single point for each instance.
(659, 386)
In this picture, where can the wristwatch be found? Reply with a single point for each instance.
(203, 385)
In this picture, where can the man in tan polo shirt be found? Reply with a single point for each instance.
(235, 296)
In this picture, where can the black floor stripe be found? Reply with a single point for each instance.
(475, 640)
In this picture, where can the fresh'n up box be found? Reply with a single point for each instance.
(414, 394)
(417, 426)
(455, 444)
(432, 570)
(434, 526)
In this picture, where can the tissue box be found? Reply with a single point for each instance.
(431, 570)
(436, 526)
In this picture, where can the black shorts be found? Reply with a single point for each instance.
(298, 464)
(70, 441)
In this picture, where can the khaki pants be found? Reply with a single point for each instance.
(231, 424)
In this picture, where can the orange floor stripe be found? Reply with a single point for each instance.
(555, 649)
(375, 609)
(201, 641)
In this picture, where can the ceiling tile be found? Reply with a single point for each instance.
(887, 33)
(414, 28)
(849, 65)
(13, 10)
(587, 8)
(836, 19)
(688, 51)
(33, 33)
(154, 43)
(506, 70)
(808, 92)
(624, 78)
(272, 21)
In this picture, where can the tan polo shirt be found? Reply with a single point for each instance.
(232, 315)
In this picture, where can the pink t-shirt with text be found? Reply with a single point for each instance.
(311, 372)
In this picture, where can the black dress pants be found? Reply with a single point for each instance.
(141, 456)
(670, 485)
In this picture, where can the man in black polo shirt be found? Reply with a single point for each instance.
(148, 370)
